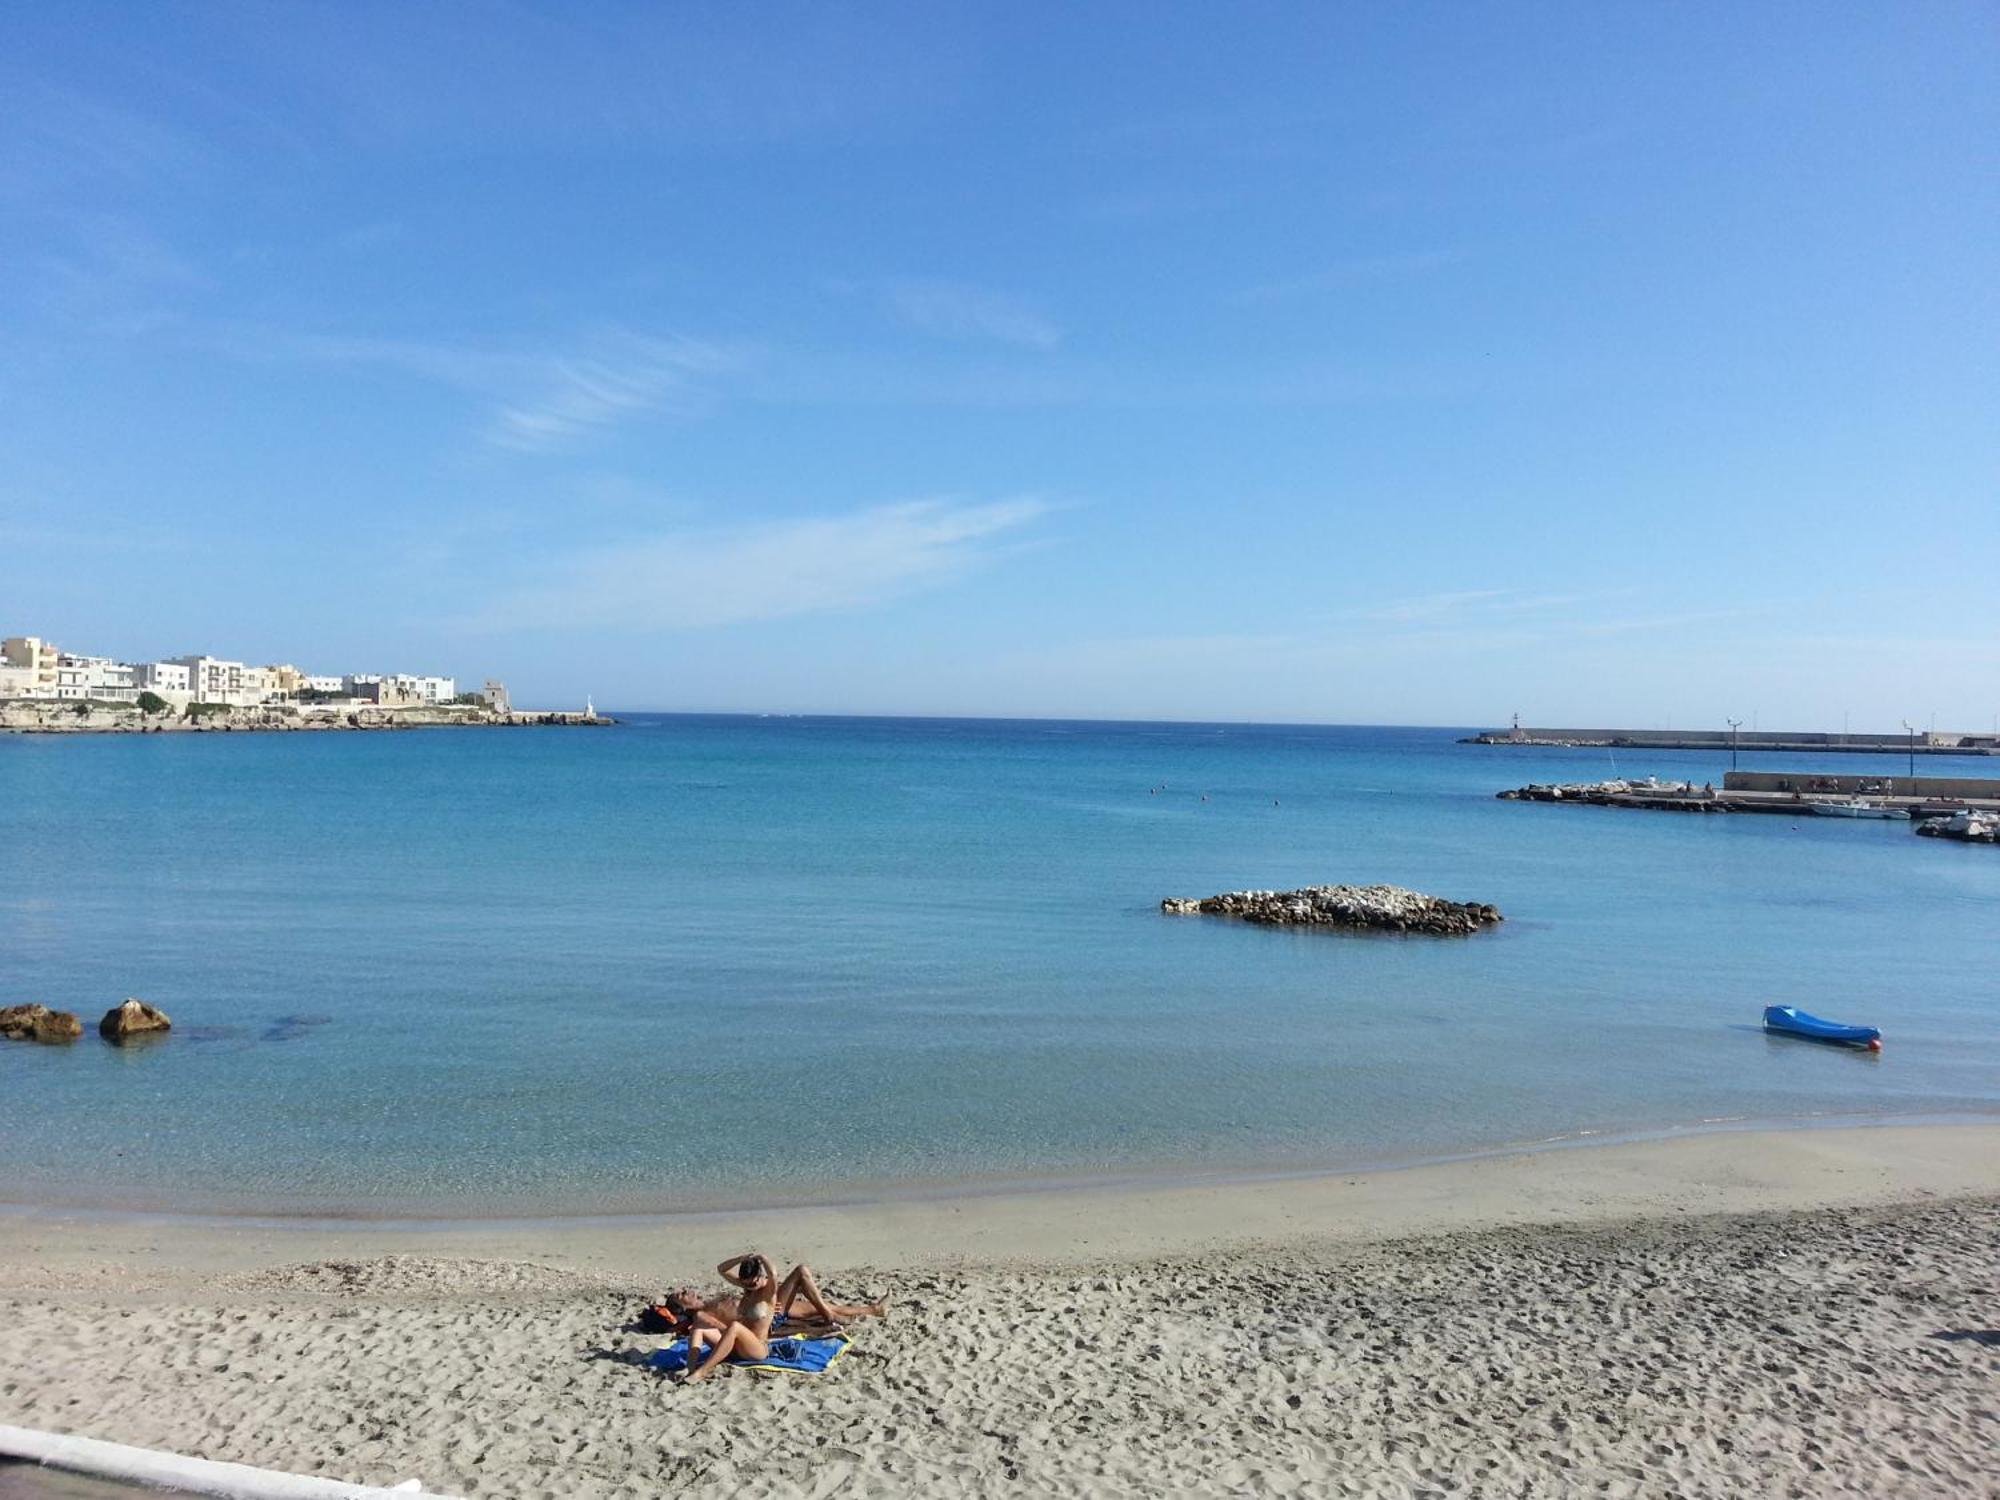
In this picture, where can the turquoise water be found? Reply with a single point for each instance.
(694, 960)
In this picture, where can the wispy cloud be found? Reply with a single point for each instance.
(952, 310)
(112, 273)
(706, 577)
(61, 146)
(1350, 272)
(542, 401)
(582, 396)
(1427, 606)
(986, 379)
(1465, 606)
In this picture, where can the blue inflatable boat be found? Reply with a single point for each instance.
(1794, 1022)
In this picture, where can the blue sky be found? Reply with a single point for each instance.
(1370, 363)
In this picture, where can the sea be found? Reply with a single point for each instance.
(695, 961)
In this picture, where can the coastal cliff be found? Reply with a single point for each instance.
(22, 716)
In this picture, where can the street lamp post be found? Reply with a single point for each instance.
(1734, 725)
(1912, 730)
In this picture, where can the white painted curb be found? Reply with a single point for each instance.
(169, 1471)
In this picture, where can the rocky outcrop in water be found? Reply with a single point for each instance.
(37, 1023)
(1380, 908)
(133, 1019)
(1966, 827)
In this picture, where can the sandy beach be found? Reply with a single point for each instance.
(1799, 1313)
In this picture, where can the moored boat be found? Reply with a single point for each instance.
(1788, 1020)
(1859, 808)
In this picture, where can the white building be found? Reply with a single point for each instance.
(317, 684)
(211, 680)
(399, 688)
(425, 689)
(163, 677)
(99, 678)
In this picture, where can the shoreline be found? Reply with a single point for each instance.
(395, 1215)
(1753, 1169)
(65, 719)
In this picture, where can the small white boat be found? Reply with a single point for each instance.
(1859, 808)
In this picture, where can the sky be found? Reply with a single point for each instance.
(1611, 364)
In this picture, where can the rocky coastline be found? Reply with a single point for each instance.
(21, 716)
(1375, 908)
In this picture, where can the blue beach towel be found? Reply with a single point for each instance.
(795, 1356)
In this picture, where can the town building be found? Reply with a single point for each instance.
(283, 682)
(399, 688)
(95, 679)
(164, 679)
(30, 666)
(426, 689)
(211, 680)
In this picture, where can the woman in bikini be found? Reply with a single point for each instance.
(720, 1311)
(762, 1301)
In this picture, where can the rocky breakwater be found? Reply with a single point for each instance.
(1667, 796)
(1378, 908)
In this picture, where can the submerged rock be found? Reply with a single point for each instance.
(135, 1018)
(1382, 908)
(37, 1023)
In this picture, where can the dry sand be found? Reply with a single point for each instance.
(1805, 1313)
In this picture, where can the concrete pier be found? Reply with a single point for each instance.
(1925, 797)
(1923, 742)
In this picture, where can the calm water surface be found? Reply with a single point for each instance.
(690, 960)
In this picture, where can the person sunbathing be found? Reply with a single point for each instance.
(747, 1335)
(763, 1300)
(721, 1310)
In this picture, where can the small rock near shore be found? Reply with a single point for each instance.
(1383, 908)
(37, 1023)
(135, 1018)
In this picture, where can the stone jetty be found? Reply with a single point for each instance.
(1379, 908)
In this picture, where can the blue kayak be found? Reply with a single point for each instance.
(1794, 1022)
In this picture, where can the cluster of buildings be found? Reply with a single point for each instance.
(32, 668)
